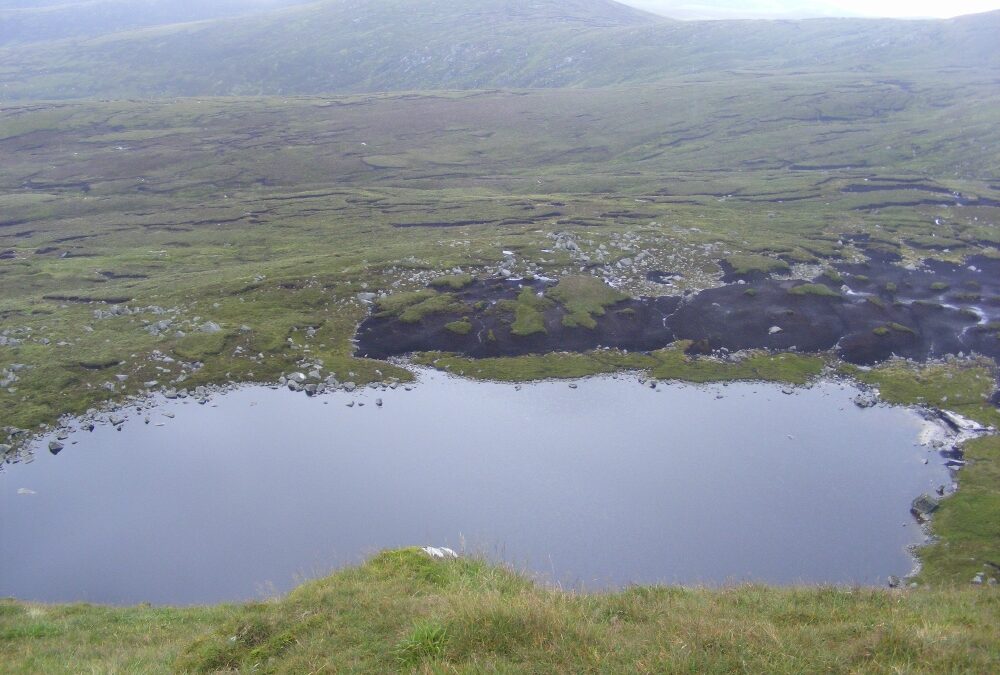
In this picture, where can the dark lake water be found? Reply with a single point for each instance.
(599, 486)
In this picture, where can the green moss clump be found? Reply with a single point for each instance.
(528, 309)
(537, 366)
(460, 327)
(413, 306)
(962, 386)
(814, 289)
(940, 286)
(584, 298)
(453, 281)
(743, 265)
(394, 304)
(674, 364)
(881, 331)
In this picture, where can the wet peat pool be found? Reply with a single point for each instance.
(599, 486)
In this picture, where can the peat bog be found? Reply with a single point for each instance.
(865, 311)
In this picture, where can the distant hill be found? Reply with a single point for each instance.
(346, 46)
(27, 21)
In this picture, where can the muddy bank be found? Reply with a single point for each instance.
(867, 312)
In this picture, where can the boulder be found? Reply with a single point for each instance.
(923, 506)
(55, 447)
(866, 399)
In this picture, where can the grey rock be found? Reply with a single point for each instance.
(55, 447)
(923, 506)
(210, 327)
(866, 399)
(894, 581)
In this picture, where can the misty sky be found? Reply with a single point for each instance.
(802, 8)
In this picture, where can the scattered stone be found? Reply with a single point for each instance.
(894, 581)
(378, 402)
(210, 327)
(55, 447)
(441, 553)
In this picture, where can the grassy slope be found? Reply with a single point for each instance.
(386, 45)
(403, 611)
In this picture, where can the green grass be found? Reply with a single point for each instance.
(460, 327)
(528, 312)
(747, 264)
(664, 364)
(402, 610)
(814, 289)
(453, 281)
(967, 524)
(536, 366)
(673, 364)
(584, 298)
(961, 386)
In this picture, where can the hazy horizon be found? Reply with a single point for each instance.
(799, 9)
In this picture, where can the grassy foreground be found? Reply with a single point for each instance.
(404, 611)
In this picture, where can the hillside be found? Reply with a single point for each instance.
(27, 21)
(347, 46)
